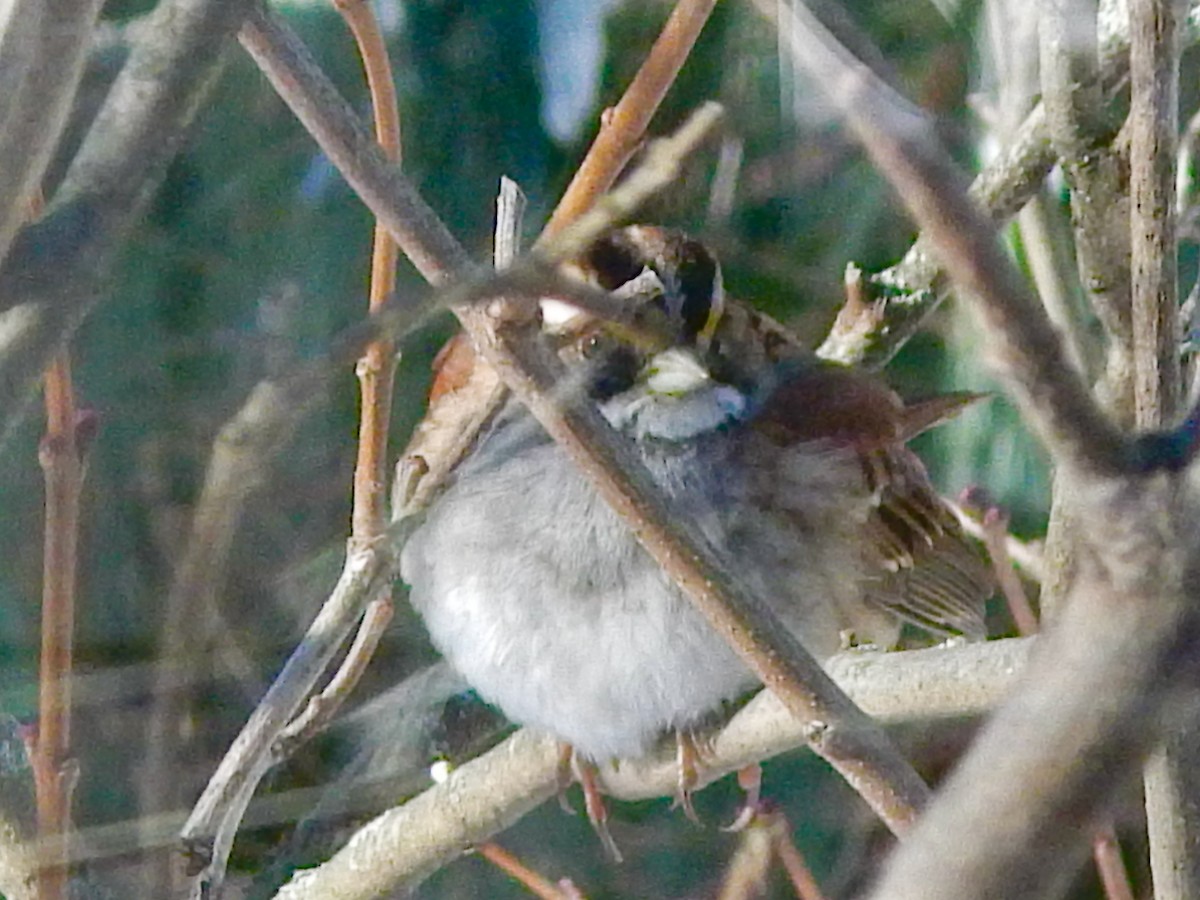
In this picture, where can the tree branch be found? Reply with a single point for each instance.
(1155, 28)
(1024, 346)
(910, 290)
(403, 846)
(44, 44)
(54, 273)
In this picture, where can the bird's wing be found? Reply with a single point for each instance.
(920, 565)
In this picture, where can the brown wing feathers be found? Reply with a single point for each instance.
(922, 567)
(927, 571)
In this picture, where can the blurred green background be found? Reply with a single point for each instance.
(255, 254)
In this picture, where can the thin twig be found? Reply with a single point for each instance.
(1106, 852)
(1026, 554)
(995, 538)
(376, 371)
(55, 773)
(799, 874)
(208, 833)
(623, 128)
(747, 873)
(322, 707)
(517, 870)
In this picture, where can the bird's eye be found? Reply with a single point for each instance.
(614, 373)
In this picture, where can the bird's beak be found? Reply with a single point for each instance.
(675, 372)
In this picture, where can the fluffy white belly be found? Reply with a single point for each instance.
(542, 599)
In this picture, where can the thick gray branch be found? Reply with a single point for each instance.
(403, 846)
(1049, 763)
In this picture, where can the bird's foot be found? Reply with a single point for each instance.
(570, 763)
(564, 775)
(689, 756)
(750, 781)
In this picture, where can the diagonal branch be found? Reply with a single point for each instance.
(623, 127)
(910, 290)
(1024, 345)
(55, 270)
(838, 730)
(44, 44)
(1047, 766)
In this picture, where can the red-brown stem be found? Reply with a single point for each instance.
(514, 868)
(376, 372)
(62, 466)
(1107, 853)
(995, 538)
(623, 128)
(376, 369)
(793, 862)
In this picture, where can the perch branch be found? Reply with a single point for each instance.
(401, 847)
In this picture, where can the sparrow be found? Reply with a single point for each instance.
(795, 470)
